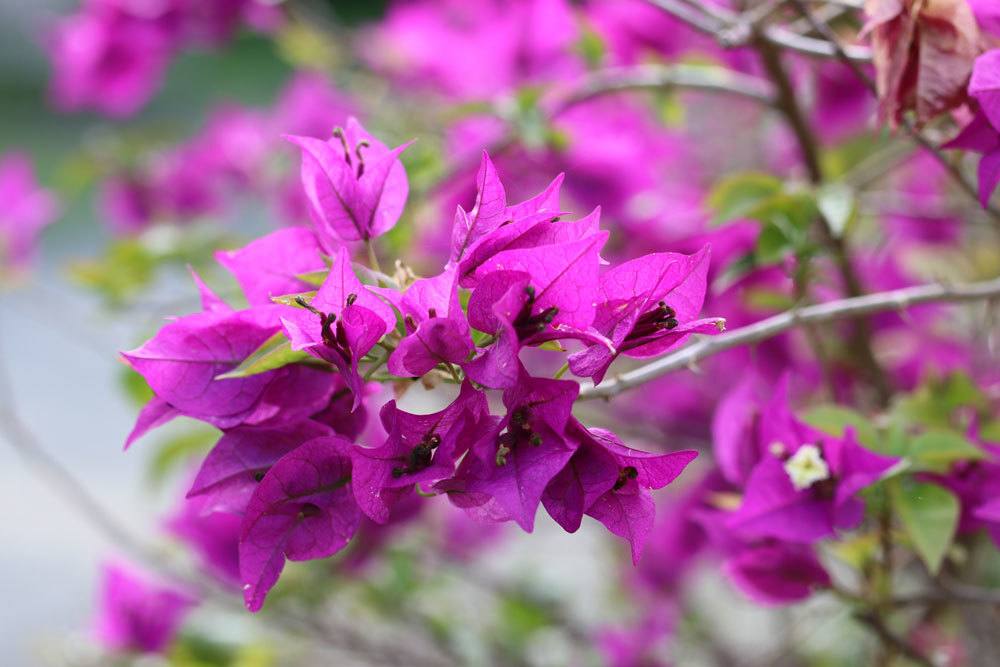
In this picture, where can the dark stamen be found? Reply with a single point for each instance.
(301, 300)
(327, 321)
(361, 159)
(624, 475)
(339, 133)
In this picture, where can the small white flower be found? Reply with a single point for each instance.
(806, 467)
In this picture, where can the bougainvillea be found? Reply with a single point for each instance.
(27, 209)
(448, 230)
(536, 279)
(112, 55)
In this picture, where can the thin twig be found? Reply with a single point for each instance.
(698, 77)
(859, 341)
(831, 311)
(875, 623)
(950, 590)
(728, 28)
(622, 79)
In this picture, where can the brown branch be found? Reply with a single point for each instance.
(890, 640)
(622, 79)
(765, 329)
(859, 342)
(643, 77)
(731, 30)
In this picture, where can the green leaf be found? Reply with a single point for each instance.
(737, 195)
(314, 278)
(938, 449)
(837, 204)
(520, 618)
(174, 453)
(290, 299)
(929, 514)
(767, 299)
(785, 222)
(135, 386)
(481, 338)
(834, 419)
(936, 401)
(897, 441)
(990, 431)
(734, 272)
(273, 353)
(591, 47)
(125, 270)
(857, 551)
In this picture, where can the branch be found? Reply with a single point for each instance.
(731, 29)
(787, 104)
(889, 639)
(620, 79)
(831, 311)
(949, 590)
(696, 17)
(605, 82)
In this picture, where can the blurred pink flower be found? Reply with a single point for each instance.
(27, 208)
(137, 614)
(107, 60)
(431, 44)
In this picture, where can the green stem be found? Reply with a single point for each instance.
(372, 256)
(375, 366)
(454, 373)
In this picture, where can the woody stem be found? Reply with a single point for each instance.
(831, 311)
(859, 342)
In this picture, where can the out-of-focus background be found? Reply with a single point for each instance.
(59, 345)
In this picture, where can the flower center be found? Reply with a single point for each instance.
(339, 134)
(527, 324)
(331, 329)
(518, 431)
(806, 467)
(624, 475)
(420, 457)
(651, 326)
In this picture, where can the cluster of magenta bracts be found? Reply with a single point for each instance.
(292, 461)
(777, 489)
(112, 55)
